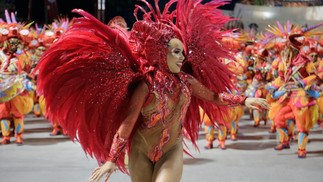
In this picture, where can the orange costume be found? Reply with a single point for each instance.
(42, 40)
(18, 103)
(235, 112)
(261, 76)
(293, 89)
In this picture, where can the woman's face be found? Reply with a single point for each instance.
(13, 44)
(39, 51)
(175, 55)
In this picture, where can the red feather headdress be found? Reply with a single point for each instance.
(89, 74)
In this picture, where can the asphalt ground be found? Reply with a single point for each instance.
(251, 158)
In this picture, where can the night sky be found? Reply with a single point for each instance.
(122, 8)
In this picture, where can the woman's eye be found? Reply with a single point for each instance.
(177, 52)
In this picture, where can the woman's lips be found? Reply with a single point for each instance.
(179, 64)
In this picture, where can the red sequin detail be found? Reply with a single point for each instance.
(232, 99)
(118, 145)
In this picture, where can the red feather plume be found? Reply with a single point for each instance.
(87, 77)
(201, 30)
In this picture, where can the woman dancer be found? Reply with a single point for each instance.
(112, 90)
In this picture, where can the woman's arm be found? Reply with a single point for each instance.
(201, 92)
(120, 139)
(137, 101)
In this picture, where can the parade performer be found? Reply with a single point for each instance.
(209, 129)
(261, 74)
(232, 42)
(237, 43)
(230, 124)
(271, 101)
(58, 28)
(319, 65)
(236, 112)
(112, 92)
(294, 88)
(42, 40)
(14, 100)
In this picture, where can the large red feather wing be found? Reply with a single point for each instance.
(200, 26)
(86, 78)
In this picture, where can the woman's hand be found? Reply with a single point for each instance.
(107, 168)
(257, 103)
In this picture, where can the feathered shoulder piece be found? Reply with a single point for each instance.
(87, 77)
(201, 27)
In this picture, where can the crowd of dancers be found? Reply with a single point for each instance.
(21, 47)
(283, 65)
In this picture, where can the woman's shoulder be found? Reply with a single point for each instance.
(187, 78)
(143, 86)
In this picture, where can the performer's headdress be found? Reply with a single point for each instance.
(10, 28)
(292, 35)
(118, 22)
(40, 37)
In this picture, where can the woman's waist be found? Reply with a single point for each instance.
(159, 120)
(155, 131)
(164, 138)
